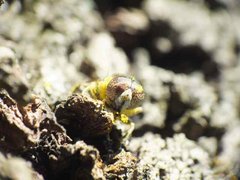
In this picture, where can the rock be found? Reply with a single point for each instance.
(121, 166)
(83, 116)
(17, 168)
(12, 78)
(23, 128)
(184, 103)
(171, 158)
(105, 57)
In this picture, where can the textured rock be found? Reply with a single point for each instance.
(185, 103)
(229, 159)
(207, 29)
(188, 65)
(12, 77)
(172, 158)
(15, 135)
(121, 166)
(23, 128)
(105, 57)
(84, 116)
(77, 161)
(128, 27)
(17, 169)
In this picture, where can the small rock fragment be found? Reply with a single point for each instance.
(84, 116)
(11, 76)
(17, 168)
(228, 158)
(22, 128)
(128, 27)
(76, 161)
(121, 166)
(101, 49)
(15, 135)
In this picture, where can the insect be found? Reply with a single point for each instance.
(123, 95)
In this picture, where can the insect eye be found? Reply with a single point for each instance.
(120, 88)
(120, 84)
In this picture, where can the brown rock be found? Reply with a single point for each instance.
(121, 166)
(22, 128)
(84, 116)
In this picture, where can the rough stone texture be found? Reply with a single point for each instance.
(89, 120)
(128, 27)
(33, 133)
(15, 135)
(188, 63)
(185, 103)
(23, 127)
(17, 168)
(84, 116)
(12, 77)
(101, 49)
(77, 161)
(228, 159)
(52, 42)
(172, 158)
(211, 31)
(121, 166)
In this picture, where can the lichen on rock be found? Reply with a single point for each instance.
(12, 78)
(121, 166)
(185, 54)
(171, 158)
(17, 168)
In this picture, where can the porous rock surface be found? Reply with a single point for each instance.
(186, 55)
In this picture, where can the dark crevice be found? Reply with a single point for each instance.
(186, 60)
(105, 6)
(215, 5)
(47, 26)
(180, 59)
(144, 129)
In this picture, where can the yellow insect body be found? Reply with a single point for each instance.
(121, 94)
(98, 89)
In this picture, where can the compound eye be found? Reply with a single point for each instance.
(120, 85)
(116, 87)
(138, 95)
(119, 88)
